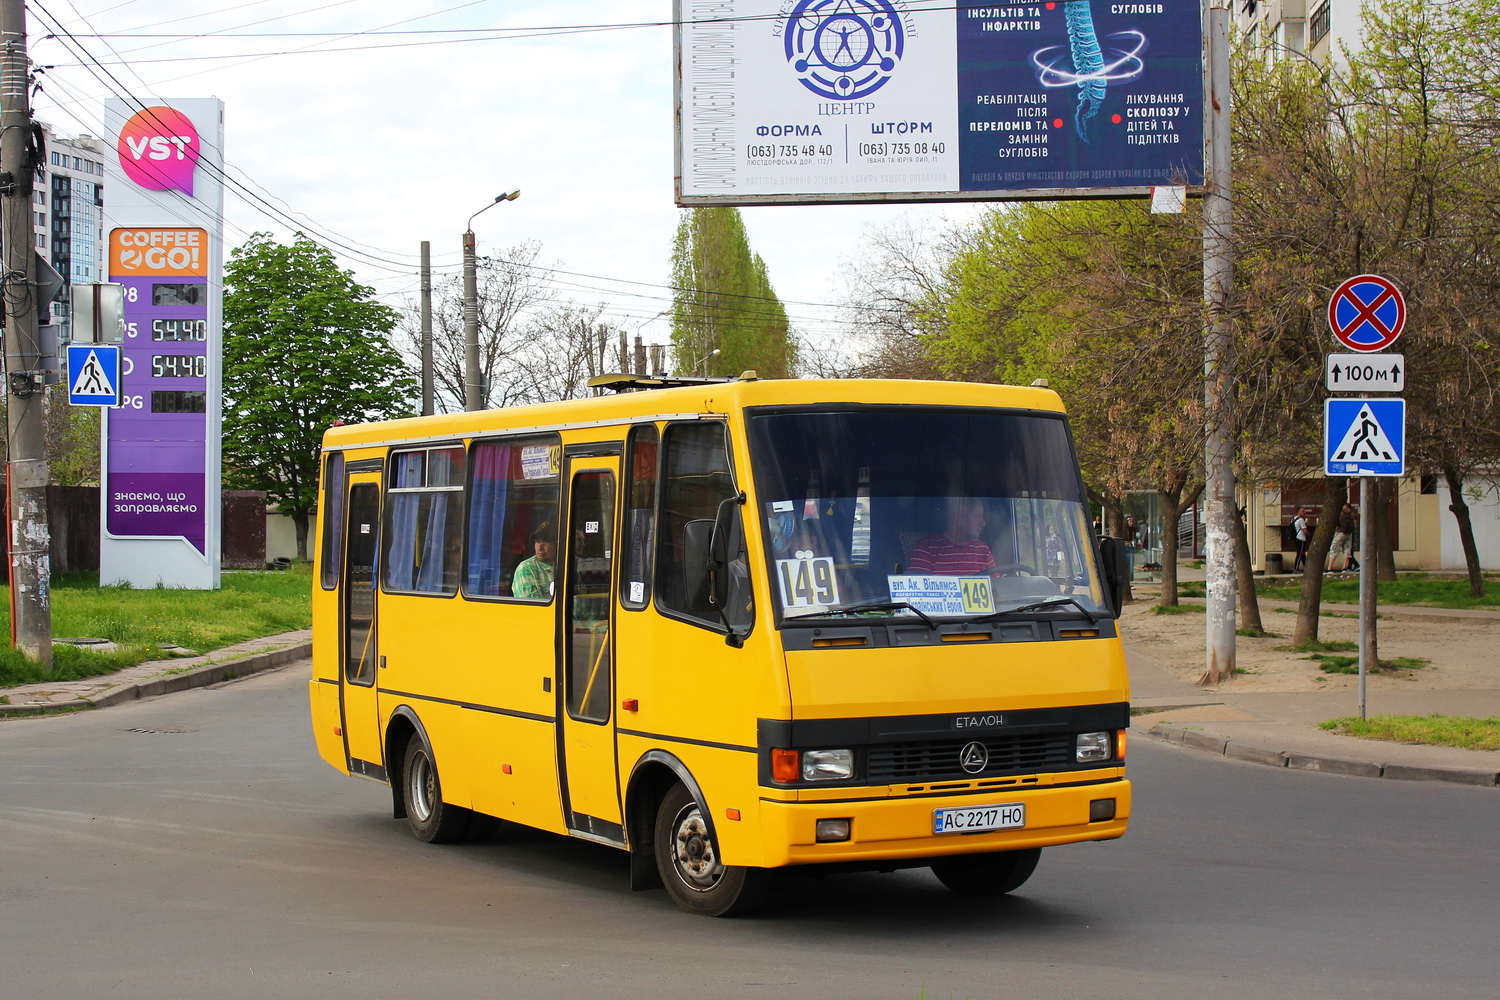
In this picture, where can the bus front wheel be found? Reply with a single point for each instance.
(987, 874)
(688, 858)
(432, 820)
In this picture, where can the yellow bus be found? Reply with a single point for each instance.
(730, 626)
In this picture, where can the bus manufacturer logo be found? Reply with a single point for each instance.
(973, 757)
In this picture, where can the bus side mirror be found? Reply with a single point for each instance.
(1113, 558)
(697, 542)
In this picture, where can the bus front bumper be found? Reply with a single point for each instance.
(901, 828)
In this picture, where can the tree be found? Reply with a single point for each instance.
(508, 289)
(304, 346)
(724, 300)
(72, 440)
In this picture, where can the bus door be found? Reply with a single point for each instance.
(586, 749)
(357, 627)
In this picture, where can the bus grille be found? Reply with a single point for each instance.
(938, 760)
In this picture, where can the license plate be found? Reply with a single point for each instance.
(978, 819)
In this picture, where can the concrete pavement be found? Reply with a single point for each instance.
(147, 680)
(1280, 729)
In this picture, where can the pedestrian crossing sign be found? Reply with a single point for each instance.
(93, 375)
(1364, 437)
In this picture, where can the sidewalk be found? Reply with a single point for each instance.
(1281, 728)
(146, 680)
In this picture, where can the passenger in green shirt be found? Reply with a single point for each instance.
(533, 577)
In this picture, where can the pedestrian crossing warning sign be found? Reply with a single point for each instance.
(1364, 437)
(93, 375)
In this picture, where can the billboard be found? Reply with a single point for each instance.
(801, 101)
(163, 226)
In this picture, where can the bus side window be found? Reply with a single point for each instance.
(335, 485)
(512, 493)
(695, 479)
(423, 517)
(641, 489)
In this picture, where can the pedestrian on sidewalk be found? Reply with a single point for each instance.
(1342, 552)
(1301, 533)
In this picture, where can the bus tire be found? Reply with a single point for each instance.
(987, 874)
(432, 820)
(688, 860)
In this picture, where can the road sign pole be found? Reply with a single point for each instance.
(1367, 595)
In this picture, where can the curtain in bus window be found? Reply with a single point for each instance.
(430, 565)
(487, 520)
(406, 470)
(400, 540)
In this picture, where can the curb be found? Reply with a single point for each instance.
(194, 677)
(1197, 739)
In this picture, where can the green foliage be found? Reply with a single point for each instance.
(1330, 663)
(1176, 609)
(248, 605)
(1466, 732)
(1418, 589)
(304, 345)
(72, 440)
(724, 300)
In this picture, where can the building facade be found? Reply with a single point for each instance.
(69, 215)
(1317, 29)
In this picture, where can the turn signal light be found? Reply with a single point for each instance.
(1121, 735)
(786, 765)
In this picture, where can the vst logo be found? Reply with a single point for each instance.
(159, 149)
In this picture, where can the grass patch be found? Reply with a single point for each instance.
(1461, 731)
(247, 606)
(1320, 646)
(1419, 589)
(1175, 609)
(1256, 633)
(1331, 663)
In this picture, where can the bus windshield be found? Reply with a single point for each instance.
(930, 511)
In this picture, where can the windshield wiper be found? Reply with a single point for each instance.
(1047, 605)
(855, 609)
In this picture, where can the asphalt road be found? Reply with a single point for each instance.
(195, 846)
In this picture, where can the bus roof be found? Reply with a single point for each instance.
(682, 402)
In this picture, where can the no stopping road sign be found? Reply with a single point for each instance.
(1367, 313)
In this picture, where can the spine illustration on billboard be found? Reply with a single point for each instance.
(1088, 60)
(1090, 71)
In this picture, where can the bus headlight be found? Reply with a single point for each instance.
(827, 765)
(1093, 747)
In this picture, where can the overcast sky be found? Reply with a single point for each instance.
(381, 125)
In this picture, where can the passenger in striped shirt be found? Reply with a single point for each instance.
(958, 551)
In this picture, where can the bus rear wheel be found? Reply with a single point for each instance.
(688, 859)
(432, 820)
(987, 874)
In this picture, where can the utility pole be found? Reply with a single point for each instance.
(473, 386)
(1218, 389)
(26, 469)
(427, 401)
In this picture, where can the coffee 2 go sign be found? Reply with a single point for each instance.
(159, 150)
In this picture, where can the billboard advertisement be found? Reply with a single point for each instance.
(163, 213)
(802, 101)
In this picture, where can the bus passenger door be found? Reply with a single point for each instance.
(591, 798)
(358, 628)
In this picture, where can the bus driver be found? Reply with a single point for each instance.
(958, 551)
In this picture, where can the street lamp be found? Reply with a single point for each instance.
(705, 357)
(472, 387)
